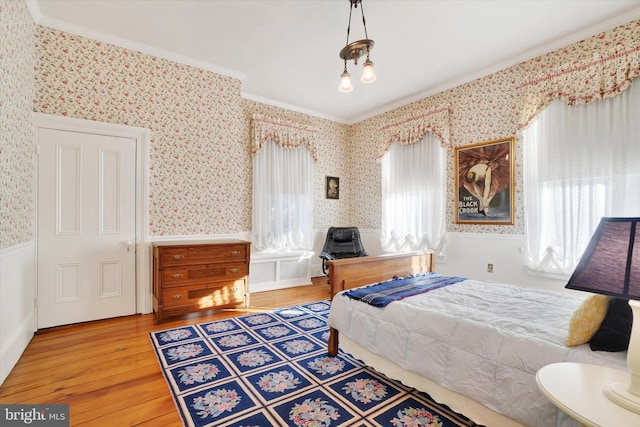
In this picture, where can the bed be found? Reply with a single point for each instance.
(474, 346)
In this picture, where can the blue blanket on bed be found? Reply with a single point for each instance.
(383, 293)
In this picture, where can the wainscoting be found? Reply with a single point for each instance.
(17, 303)
(269, 270)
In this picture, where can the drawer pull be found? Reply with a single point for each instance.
(234, 289)
(234, 270)
(177, 297)
(235, 253)
(177, 276)
(178, 256)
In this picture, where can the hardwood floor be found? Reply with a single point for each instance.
(107, 371)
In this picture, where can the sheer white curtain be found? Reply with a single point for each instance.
(413, 196)
(282, 198)
(580, 163)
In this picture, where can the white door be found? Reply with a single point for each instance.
(86, 227)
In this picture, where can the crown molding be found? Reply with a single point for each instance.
(127, 44)
(560, 43)
(450, 84)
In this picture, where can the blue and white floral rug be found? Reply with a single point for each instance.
(271, 369)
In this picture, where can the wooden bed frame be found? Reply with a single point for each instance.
(350, 273)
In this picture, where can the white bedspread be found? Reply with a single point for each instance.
(483, 340)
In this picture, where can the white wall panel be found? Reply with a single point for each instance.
(262, 272)
(17, 303)
(295, 269)
(269, 271)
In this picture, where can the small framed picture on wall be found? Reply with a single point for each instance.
(485, 182)
(332, 187)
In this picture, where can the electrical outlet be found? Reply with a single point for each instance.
(489, 268)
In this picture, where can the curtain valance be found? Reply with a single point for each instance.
(604, 75)
(285, 134)
(411, 129)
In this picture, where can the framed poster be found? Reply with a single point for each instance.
(485, 182)
(332, 187)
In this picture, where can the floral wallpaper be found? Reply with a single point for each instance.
(597, 68)
(332, 158)
(200, 150)
(200, 165)
(482, 110)
(200, 154)
(18, 57)
(499, 106)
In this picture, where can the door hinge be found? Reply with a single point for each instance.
(35, 302)
(37, 149)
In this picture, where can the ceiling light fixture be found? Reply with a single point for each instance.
(353, 51)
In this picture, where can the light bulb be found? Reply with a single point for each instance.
(368, 76)
(345, 82)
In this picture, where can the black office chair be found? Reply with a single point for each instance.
(341, 242)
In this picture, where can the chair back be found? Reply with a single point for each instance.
(342, 242)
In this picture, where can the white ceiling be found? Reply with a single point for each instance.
(286, 51)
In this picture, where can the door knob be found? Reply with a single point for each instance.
(130, 244)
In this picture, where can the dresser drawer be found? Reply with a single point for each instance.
(203, 273)
(198, 276)
(205, 295)
(202, 254)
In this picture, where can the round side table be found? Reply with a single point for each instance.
(576, 389)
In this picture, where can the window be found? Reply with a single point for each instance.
(413, 196)
(580, 163)
(282, 198)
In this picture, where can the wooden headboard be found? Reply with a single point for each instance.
(353, 272)
(350, 273)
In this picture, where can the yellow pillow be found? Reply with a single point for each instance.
(587, 319)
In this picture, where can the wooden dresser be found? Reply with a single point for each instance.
(198, 276)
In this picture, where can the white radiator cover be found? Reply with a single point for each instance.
(278, 270)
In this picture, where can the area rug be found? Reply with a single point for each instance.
(272, 369)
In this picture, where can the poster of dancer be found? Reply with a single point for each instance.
(484, 182)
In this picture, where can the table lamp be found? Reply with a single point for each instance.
(611, 266)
